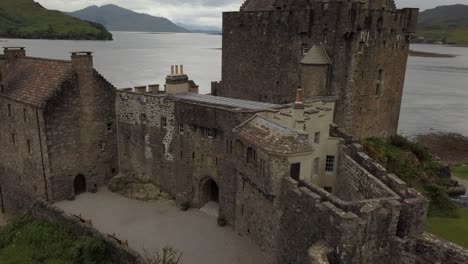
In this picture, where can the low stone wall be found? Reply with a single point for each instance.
(120, 254)
(354, 183)
(428, 249)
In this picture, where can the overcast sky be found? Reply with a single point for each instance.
(200, 12)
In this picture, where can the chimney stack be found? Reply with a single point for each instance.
(82, 61)
(14, 52)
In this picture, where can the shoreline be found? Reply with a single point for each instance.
(451, 148)
(423, 54)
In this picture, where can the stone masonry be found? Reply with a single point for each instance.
(63, 130)
(366, 42)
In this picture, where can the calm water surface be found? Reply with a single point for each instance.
(436, 89)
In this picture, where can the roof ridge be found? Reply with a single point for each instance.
(45, 59)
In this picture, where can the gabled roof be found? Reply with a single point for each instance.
(317, 55)
(273, 138)
(34, 81)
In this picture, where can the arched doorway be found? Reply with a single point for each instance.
(79, 184)
(209, 191)
(209, 197)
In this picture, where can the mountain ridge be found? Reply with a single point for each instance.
(447, 24)
(116, 18)
(30, 20)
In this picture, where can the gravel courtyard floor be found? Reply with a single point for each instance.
(153, 225)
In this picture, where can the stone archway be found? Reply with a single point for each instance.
(79, 184)
(209, 191)
(209, 197)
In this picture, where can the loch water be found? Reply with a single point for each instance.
(436, 89)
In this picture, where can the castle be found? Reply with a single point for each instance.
(277, 160)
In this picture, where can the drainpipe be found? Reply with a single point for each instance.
(42, 155)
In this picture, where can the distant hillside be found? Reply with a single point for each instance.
(447, 24)
(28, 19)
(116, 18)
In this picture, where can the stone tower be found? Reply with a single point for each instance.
(359, 54)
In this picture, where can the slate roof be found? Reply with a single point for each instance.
(34, 81)
(317, 55)
(273, 138)
(224, 101)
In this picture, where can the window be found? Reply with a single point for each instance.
(143, 119)
(25, 115)
(9, 110)
(109, 127)
(210, 133)
(325, 6)
(101, 145)
(328, 189)
(295, 171)
(378, 88)
(316, 166)
(330, 164)
(325, 37)
(2, 88)
(305, 49)
(317, 138)
(163, 122)
(29, 146)
(181, 128)
(250, 155)
(13, 139)
(113, 170)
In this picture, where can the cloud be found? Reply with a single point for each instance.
(200, 12)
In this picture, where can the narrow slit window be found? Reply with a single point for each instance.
(13, 139)
(28, 142)
(109, 127)
(163, 122)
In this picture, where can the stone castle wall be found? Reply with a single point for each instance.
(22, 171)
(178, 146)
(81, 135)
(262, 51)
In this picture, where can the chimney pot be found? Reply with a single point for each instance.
(181, 69)
(177, 69)
(172, 69)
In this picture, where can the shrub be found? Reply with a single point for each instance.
(222, 220)
(168, 255)
(440, 205)
(184, 206)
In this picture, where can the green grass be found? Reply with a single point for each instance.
(413, 163)
(460, 171)
(27, 19)
(451, 229)
(456, 35)
(28, 240)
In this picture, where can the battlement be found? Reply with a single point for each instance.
(152, 89)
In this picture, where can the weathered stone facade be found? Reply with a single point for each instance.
(57, 123)
(367, 43)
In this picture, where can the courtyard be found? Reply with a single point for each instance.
(150, 226)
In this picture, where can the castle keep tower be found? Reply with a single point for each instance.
(359, 54)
